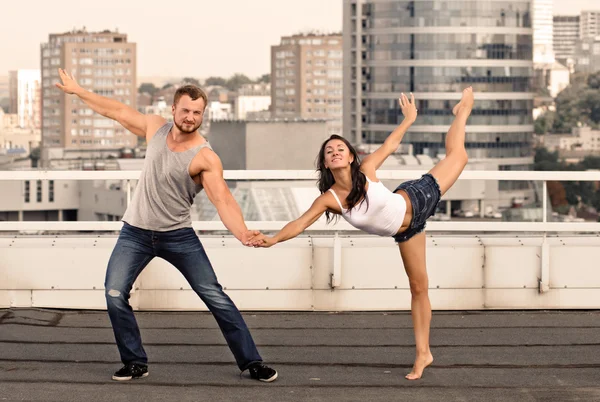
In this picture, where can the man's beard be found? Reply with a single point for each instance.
(182, 128)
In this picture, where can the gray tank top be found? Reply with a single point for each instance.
(165, 191)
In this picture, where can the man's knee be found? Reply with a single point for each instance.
(113, 293)
(115, 296)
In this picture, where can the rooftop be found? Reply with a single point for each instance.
(485, 356)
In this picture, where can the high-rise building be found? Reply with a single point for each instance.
(24, 88)
(102, 62)
(542, 31)
(435, 49)
(306, 78)
(589, 26)
(3, 87)
(566, 35)
(252, 99)
(587, 55)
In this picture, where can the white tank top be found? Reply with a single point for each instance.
(385, 214)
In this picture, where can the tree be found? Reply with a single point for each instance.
(543, 124)
(593, 80)
(542, 155)
(220, 81)
(567, 110)
(147, 87)
(190, 81)
(35, 155)
(557, 194)
(266, 78)
(236, 81)
(578, 103)
(590, 162)
(589, 105)
(167, 86)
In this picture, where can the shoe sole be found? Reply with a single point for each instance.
(270, 379)
(129, 378)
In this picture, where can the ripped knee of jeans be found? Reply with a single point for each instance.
(113, 293)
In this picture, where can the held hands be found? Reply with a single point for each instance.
(253, 238)
(248, 235)
(408, 107)
(69, 85)
(262, 241)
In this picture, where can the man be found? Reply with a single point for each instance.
(179, 163)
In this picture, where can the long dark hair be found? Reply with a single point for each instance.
(326, 179)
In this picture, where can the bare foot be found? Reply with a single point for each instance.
(421, 362)
(466, 101)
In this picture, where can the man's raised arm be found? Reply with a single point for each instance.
(134, 121)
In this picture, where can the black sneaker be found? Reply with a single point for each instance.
(260, 372)
(131, 371)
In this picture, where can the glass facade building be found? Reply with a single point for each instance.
(434, 49)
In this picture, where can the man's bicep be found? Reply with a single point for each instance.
(133, 121)
(212, 180)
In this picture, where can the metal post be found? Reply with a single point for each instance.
(336, 276)
(545, 268)
(128, 189)
(544, 201)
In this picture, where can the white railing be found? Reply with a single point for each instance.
(486, 293)
(254, 175)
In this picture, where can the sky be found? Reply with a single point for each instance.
(197, 38)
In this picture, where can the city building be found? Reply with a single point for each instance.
(4, 87)
(587, 55)
(552, 78)
(306, 78)
(543, 51)
(251, 98)
(25, 97)
(102, 62)
(566, 34)
(396, 47)
(589, 26)
(582, 141)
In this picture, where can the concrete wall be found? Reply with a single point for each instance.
(284, 145)
(268, 144)
(12, 196)
(104, 198)
(228, 139)
(466, 272)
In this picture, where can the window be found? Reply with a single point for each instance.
(51, 191)
(39, 191)
(26, 191)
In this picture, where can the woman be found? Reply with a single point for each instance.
(351, 189)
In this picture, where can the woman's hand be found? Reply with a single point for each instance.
(408, 107)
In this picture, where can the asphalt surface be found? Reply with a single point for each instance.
(60, 355)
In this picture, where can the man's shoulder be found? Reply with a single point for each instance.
(206, 159)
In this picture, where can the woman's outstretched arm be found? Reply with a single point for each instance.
(294, 228)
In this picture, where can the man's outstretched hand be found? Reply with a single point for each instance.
(69, 85)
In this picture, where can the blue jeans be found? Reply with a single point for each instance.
(424, 195)
(135, 248)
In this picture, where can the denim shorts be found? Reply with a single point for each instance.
(424, 195)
